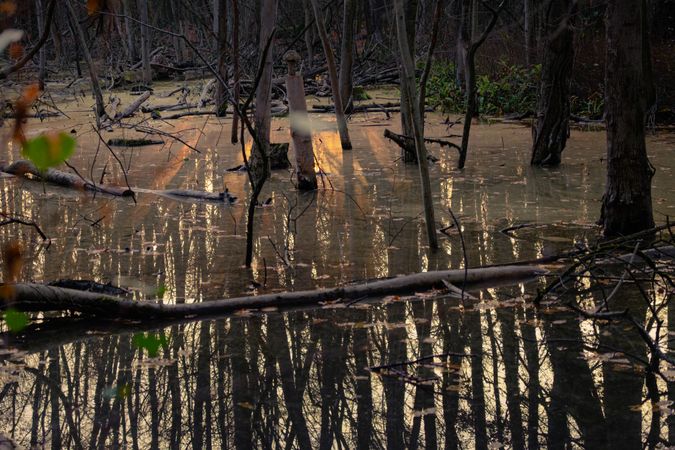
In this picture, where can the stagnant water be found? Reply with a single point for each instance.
(509, 375)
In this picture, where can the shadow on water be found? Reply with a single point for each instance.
(504, 374)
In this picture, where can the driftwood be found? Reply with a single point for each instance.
(41, 298)
(408, 144)
(133, 142)
(132, 108)
(22, 168)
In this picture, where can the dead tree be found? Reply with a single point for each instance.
(83, 45)
(347, 55)
(333, 75)
(221, 99)
(553, 109)
(145, 41)
(627, 203)
(407, 127)
(234, 137)
(409, 86)
(302, 138)
(470, 61)
(263, 94)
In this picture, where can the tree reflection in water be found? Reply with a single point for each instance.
(508, 374)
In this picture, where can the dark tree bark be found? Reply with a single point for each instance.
(221, 92)
(407, 127)
(471, 91)
(145, 41)
(234, 137)
(551, 131)
(627, 203)
(347, 55)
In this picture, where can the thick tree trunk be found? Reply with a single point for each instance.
(627, 203)
(553, 109)
(347, 54)
(95, 87)
(409, 86)
(333, 74)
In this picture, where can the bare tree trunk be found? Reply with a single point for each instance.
(145, 41)
(39, 13)
(221, 93)
(263, 117)
(463, 40)
(407, 126)
(332, 73)
(528, 31)
(177, 42)
(347, 55)
(409, 86)
(302, 138)
(471, 101)
(553, 110)
(131, 41)
(309, 32)
(627, 203)
(235, 68)
(95, 87)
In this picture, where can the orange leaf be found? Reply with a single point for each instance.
(29, 95)
(8, 8)
(15, 50)
(93, 6)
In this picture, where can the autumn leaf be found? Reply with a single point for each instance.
(8, 7)
(15, 50)
(93, 6)
(49, 150)
(28, 96)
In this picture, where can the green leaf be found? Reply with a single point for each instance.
(149, 342)
(16, 320)
(161, 290)
(49, 150)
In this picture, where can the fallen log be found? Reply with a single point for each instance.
(406, 142)
(21, 168)
(131, 109)
(133, 142)
(42, 298)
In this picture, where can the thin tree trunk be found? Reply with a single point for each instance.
(221, 92)
(263, 117)
(347, 55)
(42, 73)
(627, 203)
(309, 32)
(553, 110)
(408, 85)
(528, 31)
(95, 87)
(407, 126)
(131, 41)
(145, 41)
(234, 137)
(332, 73)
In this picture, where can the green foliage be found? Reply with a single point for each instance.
(49, 150)
(511, 89)
(359, 94)
(149, 342)
(15, 320)
(442, 90)
(592, 107)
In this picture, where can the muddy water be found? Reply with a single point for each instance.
(509, 374)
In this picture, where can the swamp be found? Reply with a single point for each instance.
(324, 224)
